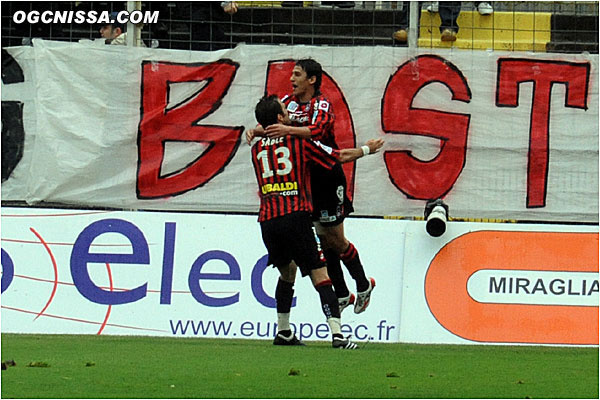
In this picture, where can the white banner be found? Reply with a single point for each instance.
(501, 283)
(497, 135)
(150, 273)
(198, 275)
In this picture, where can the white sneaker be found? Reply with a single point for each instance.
(433, 7)
(346, 301)
(485, 8)
(363, 298)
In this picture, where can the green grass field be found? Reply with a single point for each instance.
(146, 367)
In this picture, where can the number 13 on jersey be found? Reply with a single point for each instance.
(283, 161)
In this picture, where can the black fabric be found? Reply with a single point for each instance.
(334, 270)
(292, 237)
(284, 294)
(329, 301)
(330, 203)
(404, 15)
(449, 11)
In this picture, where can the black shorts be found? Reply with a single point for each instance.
(293, 237)
(331, 205)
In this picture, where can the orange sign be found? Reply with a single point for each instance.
(453, 307)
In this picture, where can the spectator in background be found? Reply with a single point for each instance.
(483, 7)
(114, 33)
(207, 28)
(401, 35)
(449, 11)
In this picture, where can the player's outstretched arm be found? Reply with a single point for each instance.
(372, 146)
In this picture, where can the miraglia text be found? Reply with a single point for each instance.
(84, 17)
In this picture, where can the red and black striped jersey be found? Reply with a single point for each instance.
(282, 168)
(317, 115)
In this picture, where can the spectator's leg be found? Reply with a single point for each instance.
(401, 35)
(449, 11)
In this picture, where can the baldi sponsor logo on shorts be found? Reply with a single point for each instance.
(282, 189)
(517, 287)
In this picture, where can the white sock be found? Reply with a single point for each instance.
(335, 325)
(283, 321)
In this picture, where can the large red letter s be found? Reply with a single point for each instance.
(425, 179)
(278, 82)
(162, 122)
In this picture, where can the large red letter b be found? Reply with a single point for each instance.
(161, 123)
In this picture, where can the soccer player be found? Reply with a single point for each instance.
(282, 172)
(312, 117)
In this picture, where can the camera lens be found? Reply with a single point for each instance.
(436, 221)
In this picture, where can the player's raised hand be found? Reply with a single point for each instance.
(252, 133)
(249, 136)
(374, 145)
(277, 130)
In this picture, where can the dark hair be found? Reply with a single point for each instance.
(116, 23)
(267, 110)
(312, 68)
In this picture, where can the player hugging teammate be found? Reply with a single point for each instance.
(301, 179)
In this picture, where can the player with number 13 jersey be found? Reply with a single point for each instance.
(281, 167)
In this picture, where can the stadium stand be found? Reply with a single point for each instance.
(565, 27)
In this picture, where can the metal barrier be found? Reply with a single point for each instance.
(570, 27)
